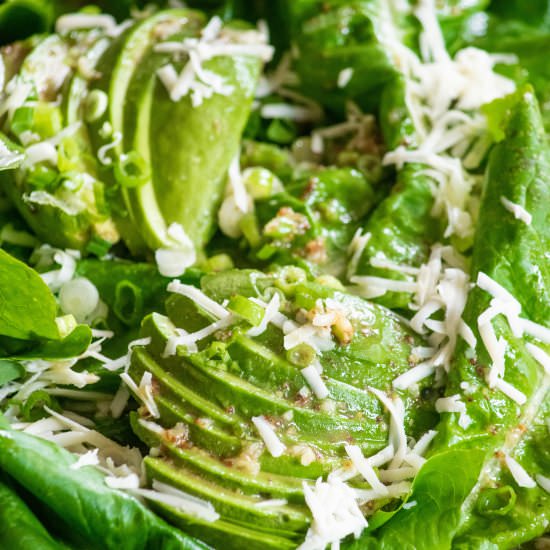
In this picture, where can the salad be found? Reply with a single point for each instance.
(274, 275)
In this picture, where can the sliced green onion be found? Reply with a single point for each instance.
(250, 229)
(131, 170)
(496, 501)
(261, 183)
(33, 408)
(288, 277)
(69, 156)
(95, 105)
(128, 305)
(246, 309)
(98, 247)
(42, 177)
(281, 131)
(330, 281)
(266, 252)
(22, 120)
(10, 235)
(371, 166)
(331, 210)
(79, 297)
(219, 262)
(301, 355)
(306, 297)
(48, 120)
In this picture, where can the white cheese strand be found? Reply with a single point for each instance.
(315, 382)
(521, 477)
(189, 504)
(75, 21)
(273, 444)
(363, 466)
(398, 437)
(143, 392)
(544, 482)
(540, 356)
(517, 210)
(335, 512)
(271, 314)
(199, 297)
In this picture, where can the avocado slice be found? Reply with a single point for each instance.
(127, 95)
(181, 151)
(207, 137)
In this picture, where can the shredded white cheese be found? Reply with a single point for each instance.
(517, 210)
(540, 356)
(335, 512)
(344, 77)
(87, 459)
(104, 149)
(513, 393)
(189, 504)
(355, 251)
(414, 375)
(273, 444)
(441, 93)
(363, 466)
(316, 383)
(544, 482)
(504, 303)
(130, 481)
(75, 21)
(423, 443)
(398, 437)
(215, 40)
(521, 477)
(120, 400)
(454, 404)
(143, 392)
(199, 297)
(271, 314)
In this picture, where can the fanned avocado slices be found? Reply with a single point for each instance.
(210, 393)
(169, 157)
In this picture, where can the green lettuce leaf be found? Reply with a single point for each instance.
(101, 516)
